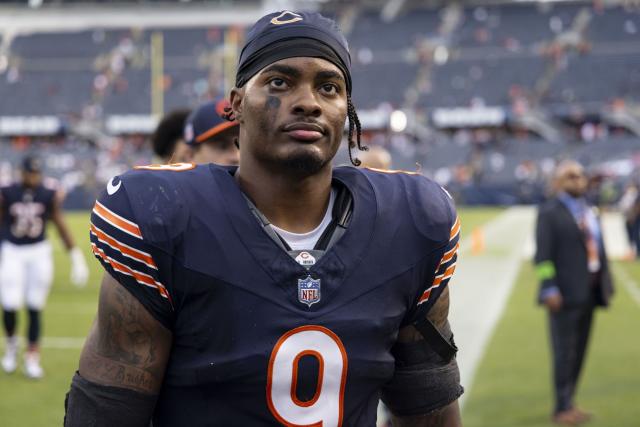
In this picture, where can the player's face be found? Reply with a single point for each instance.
(574, 181)
(31, 179)
(221, 151)
(292, 115)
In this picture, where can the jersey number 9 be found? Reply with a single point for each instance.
(326, 407)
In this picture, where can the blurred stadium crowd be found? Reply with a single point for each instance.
(484, 98)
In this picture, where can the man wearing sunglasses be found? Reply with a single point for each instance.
(571, 264)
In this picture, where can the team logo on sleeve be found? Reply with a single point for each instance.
(309, 290)
(113, 185)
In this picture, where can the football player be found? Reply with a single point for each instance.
(26, 267)
(210, 138)
(280, 292)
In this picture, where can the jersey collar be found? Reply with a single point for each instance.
(342, 258)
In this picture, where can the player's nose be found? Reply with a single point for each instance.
(305, 101)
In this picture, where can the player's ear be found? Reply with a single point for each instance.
(235, 98)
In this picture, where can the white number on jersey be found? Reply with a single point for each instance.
(326, 407)
(28, 219)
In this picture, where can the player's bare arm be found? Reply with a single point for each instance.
(126, 346)
(79, 269)
(447, 416)
(121, 366)
(58, 219)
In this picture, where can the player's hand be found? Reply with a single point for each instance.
(79, 269)
(553, 301)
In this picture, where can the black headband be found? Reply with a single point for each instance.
(289, 48)
(287, 34)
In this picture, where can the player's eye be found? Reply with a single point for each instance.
(277, 83)
(330, 89)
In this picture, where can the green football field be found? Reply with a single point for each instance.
(512, 386)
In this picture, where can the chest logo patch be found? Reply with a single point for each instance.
(309, 290)
(305, 259)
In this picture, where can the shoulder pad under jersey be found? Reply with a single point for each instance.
(156, 200)
(431, 207)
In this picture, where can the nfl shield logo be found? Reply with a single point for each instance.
(308, 290)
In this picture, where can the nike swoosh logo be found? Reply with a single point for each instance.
(111, 189)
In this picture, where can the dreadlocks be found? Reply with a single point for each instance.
(354, 125)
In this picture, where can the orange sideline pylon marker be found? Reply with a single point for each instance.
(477, 241)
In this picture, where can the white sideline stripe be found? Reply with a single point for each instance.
(63, 343)
(478, 294)
(482, 284)
(628, 282)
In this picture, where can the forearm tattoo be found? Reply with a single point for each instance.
(122, 349)
(440, 310)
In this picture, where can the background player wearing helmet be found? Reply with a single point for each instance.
(26, 267)
(291, 111)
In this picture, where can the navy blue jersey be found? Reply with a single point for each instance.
(259, 339)
(25, 212)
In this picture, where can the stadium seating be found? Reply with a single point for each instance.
(494, 55)
(492, 49)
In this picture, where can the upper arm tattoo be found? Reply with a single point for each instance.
(438, 315)
(126, 347)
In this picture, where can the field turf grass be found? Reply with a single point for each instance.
(68, 314)
(512, 387)
(471, 218)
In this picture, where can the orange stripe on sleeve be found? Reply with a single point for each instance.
(447, 274)
(124, 249)
(117, 221)
(455, 229)
(448, 256)
(425, 296)
(437, 282)
(141, 278)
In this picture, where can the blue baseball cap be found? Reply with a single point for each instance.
(206, 121)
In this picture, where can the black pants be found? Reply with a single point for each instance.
(570, 330)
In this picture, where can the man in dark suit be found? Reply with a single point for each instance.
(571, 264)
